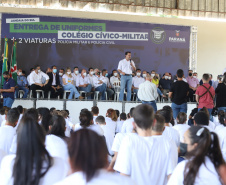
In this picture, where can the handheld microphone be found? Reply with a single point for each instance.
(130, 61)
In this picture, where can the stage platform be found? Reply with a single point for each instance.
(75, 106)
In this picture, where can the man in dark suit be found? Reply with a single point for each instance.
(54, 84)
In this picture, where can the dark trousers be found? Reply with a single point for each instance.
(58, 92)
(37, 87)
(191, 95)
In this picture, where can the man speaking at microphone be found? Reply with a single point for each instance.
(125, 68)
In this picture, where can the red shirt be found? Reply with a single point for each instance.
(206, 100)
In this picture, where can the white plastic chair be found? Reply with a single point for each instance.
(65, 93)
(96, 94)
(20, 93)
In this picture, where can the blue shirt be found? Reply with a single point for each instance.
(21, 81)
(7, 85)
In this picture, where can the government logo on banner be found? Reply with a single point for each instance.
(177, 39)
(158, 35)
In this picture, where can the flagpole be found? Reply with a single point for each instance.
(11, 59)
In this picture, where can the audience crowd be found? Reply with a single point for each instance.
(145, 146)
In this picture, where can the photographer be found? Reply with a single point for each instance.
(220, 92)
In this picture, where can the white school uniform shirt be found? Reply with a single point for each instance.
(147, 91)
(57, 147)
(147, 160)
(118, 141)
(136, 81)
(95, 128)
(91, 79)
(212, 125)
(109, 137)
(68, 80)
(181, 128)
(112, 80)
(111, 125)
(53, 175)
(218, 128)
(69, 126)
(207, 174)
(3, 123)
(119, 126)
(101, 178)
(18, 123)
(81, 81)
(2, 155)
(6, 134)
(172, 134)
(13, 147)
(127, 126)
(37, 78)
(125, 66)
(222, 140)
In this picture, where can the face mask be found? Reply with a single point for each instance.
(144, 75)
(39, 70)
(195, 76)
(84, 74)
(76, 72)
(5, 79)
(19, 73)
(61, 74)
(91, 72)
(69, 72)
(169, 78)
(138, 74)
(190, 74)
(115, 74)
(54, 70)
(152, 75)
(166, 77)
(106, 74)
(183, 148)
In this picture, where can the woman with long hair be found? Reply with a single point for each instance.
(55, 141)
(68, 84)
(32, 164)
(111, 120)
(203, 159)
(86, 121)
(88, 157)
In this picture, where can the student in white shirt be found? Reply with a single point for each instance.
(36, 81)
(83, 83)
(169, 131)
(32, 113)
(108, 134)
(109, 90)
(146, 158)
(55, 141)
(68, 124)
(127, 126)
(32, 163)
(120, 122)
(68, 84)
(75, 75)
(86, 121)
(136, 81)
(147, 92)
(181, 126)
(88, 160)
(95, 112)
(111, 120)
(202, 119)
(203, 159)
(211, 124)
(8, 131)
(100, 85)
(221, 120)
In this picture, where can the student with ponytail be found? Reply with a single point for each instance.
(203, 156)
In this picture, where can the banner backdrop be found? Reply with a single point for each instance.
(70, 42)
